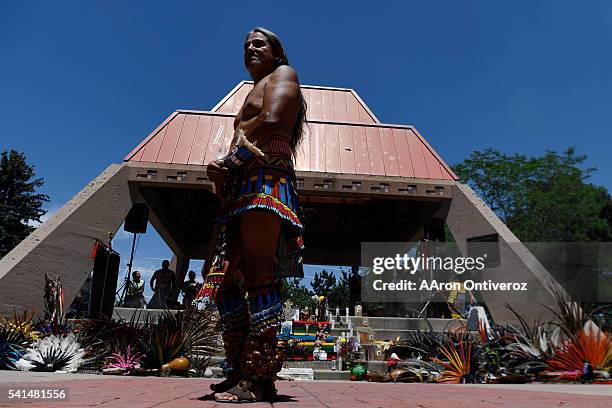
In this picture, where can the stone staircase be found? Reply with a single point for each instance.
(373, 329)
(390, 328)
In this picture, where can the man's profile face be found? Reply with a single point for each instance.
(258, 53)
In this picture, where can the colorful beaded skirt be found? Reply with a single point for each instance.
(265, 187)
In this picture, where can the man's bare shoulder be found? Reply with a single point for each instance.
(284, 73)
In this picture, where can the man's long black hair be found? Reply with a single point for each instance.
(281, 59)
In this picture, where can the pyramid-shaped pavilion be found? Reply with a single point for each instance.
(359, 180)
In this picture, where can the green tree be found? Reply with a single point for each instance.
(502, 181)
(339, 295)
(20, 204)
(546, 198)
(323, 283)
(298, 294)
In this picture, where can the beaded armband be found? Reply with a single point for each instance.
(242, 152)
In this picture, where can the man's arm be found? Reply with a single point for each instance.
(237, 120)
(279, 109)
(278, 114)
(153, 280)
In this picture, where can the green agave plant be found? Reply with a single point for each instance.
(101, 338)
(185, 333)
(423, 344)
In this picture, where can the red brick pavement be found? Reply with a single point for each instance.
(140, 392)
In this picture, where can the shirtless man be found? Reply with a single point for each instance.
(257, 182)
(162, 284)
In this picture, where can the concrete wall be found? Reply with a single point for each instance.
(469, 217)
(62, 245)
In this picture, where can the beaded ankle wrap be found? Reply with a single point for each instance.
(261, 360)
(233, 341)
(266, 308)
(234, 323)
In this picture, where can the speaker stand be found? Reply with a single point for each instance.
(129, 272)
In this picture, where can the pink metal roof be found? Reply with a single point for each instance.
(327, 104)
(342, 136)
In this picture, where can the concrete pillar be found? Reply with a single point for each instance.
(62, 245)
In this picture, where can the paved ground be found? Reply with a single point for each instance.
(140, 392)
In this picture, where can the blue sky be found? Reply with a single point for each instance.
(81, 83)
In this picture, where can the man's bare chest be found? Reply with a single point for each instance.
(253, 103)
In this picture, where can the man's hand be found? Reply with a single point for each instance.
(217, 171)
(220, 175)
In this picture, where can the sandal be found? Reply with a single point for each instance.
(241, 393)
(230, 382)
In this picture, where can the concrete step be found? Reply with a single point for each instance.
(380, 335)
(317, 365)
(331, 375)
(296, 374)
(338, 332)
(406, 323)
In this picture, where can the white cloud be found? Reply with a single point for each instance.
(122, 235)
(146, 270)
(50, 211)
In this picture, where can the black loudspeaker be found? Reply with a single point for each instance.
(104, 283)
(137, 219)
